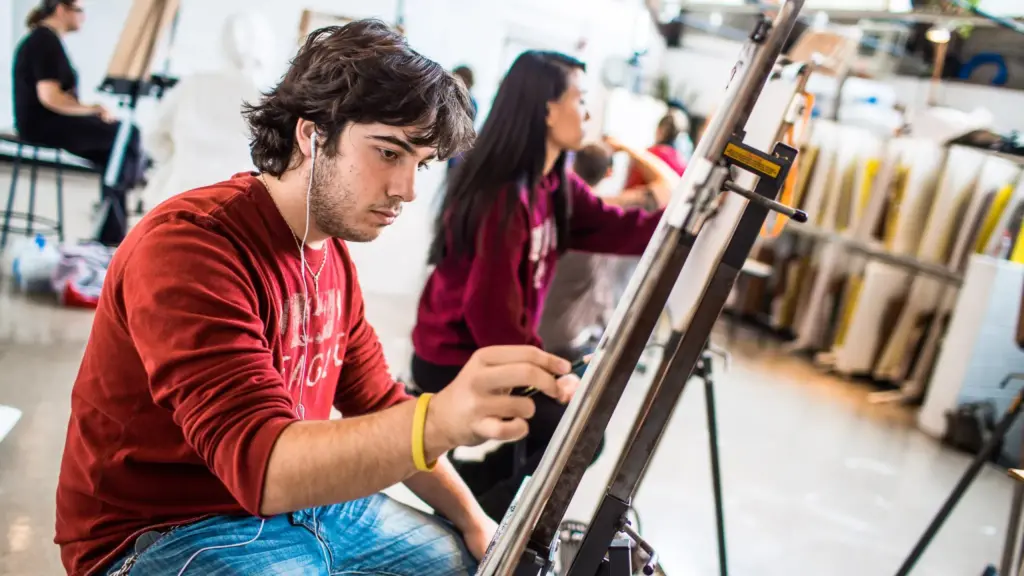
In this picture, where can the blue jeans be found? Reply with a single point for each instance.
(375, 535)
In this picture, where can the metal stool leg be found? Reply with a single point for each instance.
(10, 197)
(60, 200)
(29, 220)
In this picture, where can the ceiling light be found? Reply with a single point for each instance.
(938, 34)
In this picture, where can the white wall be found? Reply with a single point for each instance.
(700, 68)
(485, 35)
(1002, 7)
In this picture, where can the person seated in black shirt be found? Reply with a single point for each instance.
(47, 110)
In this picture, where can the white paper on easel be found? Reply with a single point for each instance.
(959, 177)
(855, 191)
(825, 137)
(761, 129)
(924, 160)
(994, 246)
(855, 146)
(994, 172)
(956, 189)
(891, 160)
(980, 346)
(810, 320)
(849, 352)
(883, 283)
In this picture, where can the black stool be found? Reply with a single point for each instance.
(33, 223)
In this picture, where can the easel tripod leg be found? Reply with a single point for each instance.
(716, 477)
(965, 482)
(1012, 548)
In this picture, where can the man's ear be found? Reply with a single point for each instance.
(303, 130)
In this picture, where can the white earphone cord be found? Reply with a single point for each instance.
(222, 546)
(305, 290)
(305, 343)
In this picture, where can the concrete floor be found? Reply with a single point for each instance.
(816, 479)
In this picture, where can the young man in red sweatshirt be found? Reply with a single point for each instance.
(231, 322)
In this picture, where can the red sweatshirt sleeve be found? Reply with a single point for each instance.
(365, 384)
(493, 300)
(191, 312)
(604, 229)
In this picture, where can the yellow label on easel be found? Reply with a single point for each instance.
(995, 213)
(751, 160)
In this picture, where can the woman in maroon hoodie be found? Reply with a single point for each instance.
(510, 210)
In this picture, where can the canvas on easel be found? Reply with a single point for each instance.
(995, 172)
(883, 285)
(147, 25)
(959, 177)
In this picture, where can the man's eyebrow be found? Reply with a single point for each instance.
(393, 140)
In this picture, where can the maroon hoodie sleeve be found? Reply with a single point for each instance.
(493, 300)
(365, 384)
(605, 229)
(190, 311)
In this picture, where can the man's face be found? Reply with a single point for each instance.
(360, 190)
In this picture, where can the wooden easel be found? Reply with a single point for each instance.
(129, 76)
(147, 25)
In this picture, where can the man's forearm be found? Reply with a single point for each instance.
(318, 463)
(446, 492)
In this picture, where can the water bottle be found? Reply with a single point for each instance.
(34, 263)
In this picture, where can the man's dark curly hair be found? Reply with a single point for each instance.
(361, 72)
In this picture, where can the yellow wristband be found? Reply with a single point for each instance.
(419, 425)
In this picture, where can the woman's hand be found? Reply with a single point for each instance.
(104, 114)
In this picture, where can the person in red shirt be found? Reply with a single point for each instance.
(231, 322)
(670, 127)
(511, 209)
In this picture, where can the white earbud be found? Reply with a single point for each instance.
(312, 145)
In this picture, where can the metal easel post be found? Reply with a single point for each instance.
(526, 537)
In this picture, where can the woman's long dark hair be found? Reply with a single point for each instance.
(509, 153)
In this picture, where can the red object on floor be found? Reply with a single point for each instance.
(72, 298)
